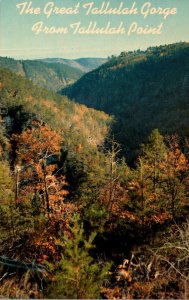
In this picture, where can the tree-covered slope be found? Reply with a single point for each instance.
(83, 64)
(52, 76)
(142, 89)
(72, 209)
(78, 124)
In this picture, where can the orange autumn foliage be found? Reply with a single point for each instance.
(38, 152)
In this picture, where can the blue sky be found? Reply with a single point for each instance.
(17, 39)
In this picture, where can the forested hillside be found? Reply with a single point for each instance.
(76, 221)
(143, 90)
(83, 64)
(77, 121)
(52, 76)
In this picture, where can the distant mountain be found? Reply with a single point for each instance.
(52, 76)
(143, 90)
(83, 64)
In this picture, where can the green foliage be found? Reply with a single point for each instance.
(52, 76)
(154, 153)
(154, 150)
(77, 275)
(46, 141)
(25, 102)
(143, 90)
(16, 219)
(95, 216)
(6, 190)
(8, 213)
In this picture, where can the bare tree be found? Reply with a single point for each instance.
(173, 257)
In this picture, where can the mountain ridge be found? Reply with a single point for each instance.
(51, 73)
(85, 64)
(51, 76)
(142, 89)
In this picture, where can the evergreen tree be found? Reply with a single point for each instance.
(146, 187)
(154, 152)
(77, 275)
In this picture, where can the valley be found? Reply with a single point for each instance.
(94, 176)
(52, 74)
(143, 90)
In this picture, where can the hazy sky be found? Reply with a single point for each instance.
(17, 39)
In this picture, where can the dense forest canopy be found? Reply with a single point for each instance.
(52, 76)
(74, 119)
(143, 90)
(76, 220)
(52, 73)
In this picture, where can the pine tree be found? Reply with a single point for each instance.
(77, 275)
(146, 187)
(154, 152)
